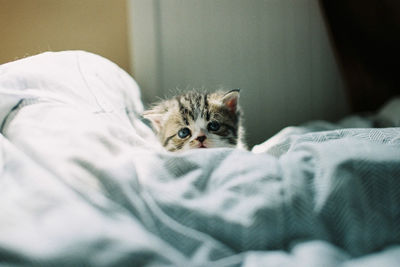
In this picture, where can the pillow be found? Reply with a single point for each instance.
(74, 77)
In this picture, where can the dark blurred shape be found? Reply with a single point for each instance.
(366, 34)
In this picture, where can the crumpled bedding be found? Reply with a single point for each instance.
(83, 182)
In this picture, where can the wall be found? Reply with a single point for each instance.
(277, 51)
(29, 27)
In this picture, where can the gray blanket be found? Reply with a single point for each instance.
(83, 183)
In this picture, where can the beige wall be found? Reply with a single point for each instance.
(28, 27)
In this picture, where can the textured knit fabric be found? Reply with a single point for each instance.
(83, 182)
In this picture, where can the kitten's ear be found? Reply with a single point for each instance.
(155, 117)
(231, 99)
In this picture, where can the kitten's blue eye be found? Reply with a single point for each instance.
(213, 126)
(184, 132)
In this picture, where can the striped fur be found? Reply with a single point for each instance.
(197, 112)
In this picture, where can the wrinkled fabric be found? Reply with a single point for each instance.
(83, 182)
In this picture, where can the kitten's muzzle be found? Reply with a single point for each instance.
(201, 139)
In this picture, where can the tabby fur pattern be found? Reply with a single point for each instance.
(198, 120)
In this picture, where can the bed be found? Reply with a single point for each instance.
(83, 182)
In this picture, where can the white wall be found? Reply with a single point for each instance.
(276, 51)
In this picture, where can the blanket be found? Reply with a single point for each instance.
(83, 182)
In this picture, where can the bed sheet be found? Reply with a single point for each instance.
(84, 183)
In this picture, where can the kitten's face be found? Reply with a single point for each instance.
(197, 120)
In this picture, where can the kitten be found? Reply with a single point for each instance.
(198, 120)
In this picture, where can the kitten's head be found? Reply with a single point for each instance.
(197, 120)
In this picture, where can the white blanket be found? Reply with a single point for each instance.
(83, 182)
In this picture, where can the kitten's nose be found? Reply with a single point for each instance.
(201, 138)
